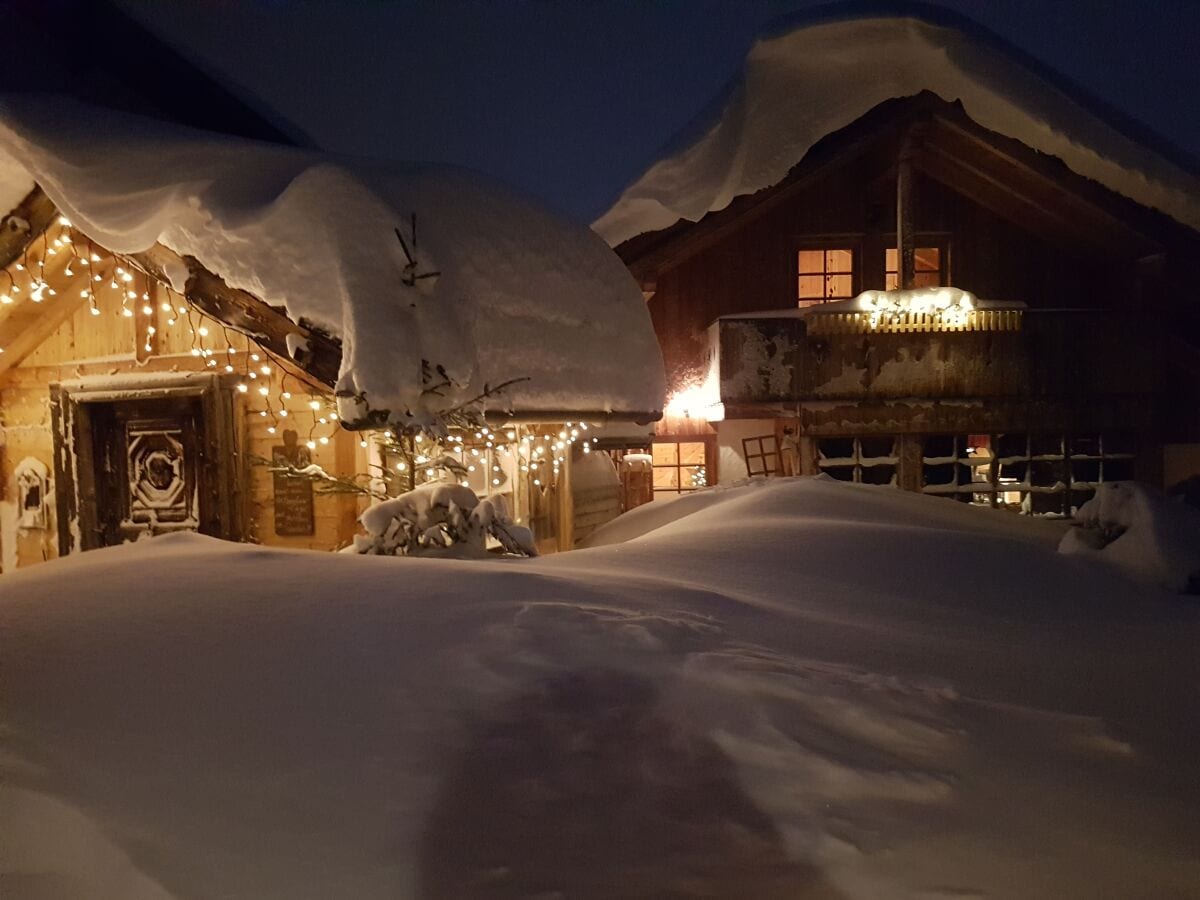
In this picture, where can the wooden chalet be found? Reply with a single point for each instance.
(1079, 364)
(140, 394)
(131, 409)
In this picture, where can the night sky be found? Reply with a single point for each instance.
(571, 100)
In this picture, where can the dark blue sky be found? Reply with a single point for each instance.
(570, 100)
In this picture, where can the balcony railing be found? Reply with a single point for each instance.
(820, 322)
(999, 354)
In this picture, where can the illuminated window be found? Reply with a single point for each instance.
(679, 466)
(927, 268)
(1030, 473)
(825, 274)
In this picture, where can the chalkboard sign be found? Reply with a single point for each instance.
(293, 496)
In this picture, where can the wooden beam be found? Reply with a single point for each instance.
(1055, 225)
(28, 324)
(21, 227)
(906, 213)
(1079, 206)
(319, 354)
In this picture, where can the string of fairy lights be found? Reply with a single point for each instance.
(481, 458)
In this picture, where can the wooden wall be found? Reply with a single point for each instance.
(111, 346)
(754, 267)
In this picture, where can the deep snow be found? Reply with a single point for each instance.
(793, 688)
(809, 81)
(522, 293)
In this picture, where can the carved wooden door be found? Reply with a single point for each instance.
(148, 464)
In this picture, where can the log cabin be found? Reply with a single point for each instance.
(912, 297)
(161, 369)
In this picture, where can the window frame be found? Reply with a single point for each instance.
(825, 243)
(762, 455)
(857, 462)
(709, 465)
(1112, 447)
(939, 241)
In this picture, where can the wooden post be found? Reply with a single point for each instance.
(566, 506)
(910, 451)
(906, 237)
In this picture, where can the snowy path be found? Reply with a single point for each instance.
(806, 689)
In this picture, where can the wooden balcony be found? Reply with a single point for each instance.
(999, 369)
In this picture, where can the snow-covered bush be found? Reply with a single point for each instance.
(1150, 536)
(440, 519)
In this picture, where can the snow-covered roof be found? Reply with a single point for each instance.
(818, 77)
(522, 293)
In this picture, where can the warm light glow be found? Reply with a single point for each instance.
(951, 306)
(696, 402)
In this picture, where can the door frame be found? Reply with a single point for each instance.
(71, 404)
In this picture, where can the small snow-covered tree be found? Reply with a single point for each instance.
(440, 519)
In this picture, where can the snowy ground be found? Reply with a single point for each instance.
(801, 689)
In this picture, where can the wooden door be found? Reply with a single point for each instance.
(148, 465)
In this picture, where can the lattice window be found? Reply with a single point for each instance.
(679, 466)
(1030, 473)
(762, 455)
(863, 460)
(928, 268)
(825, 274)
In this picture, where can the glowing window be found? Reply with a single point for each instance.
(1035, 474)
(825, 274)
(927, 268)
(679, 466)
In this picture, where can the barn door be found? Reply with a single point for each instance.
(147, 468)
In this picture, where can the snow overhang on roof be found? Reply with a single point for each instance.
(519, 293)
(812, 80)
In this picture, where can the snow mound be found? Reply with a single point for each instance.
(808, 689)
(797, 87)
(521, 292)
(1142, 532)
(663, 512)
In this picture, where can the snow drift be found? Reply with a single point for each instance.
(809, 81)
(521, 293)
(1141, 532)
(806, 690)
